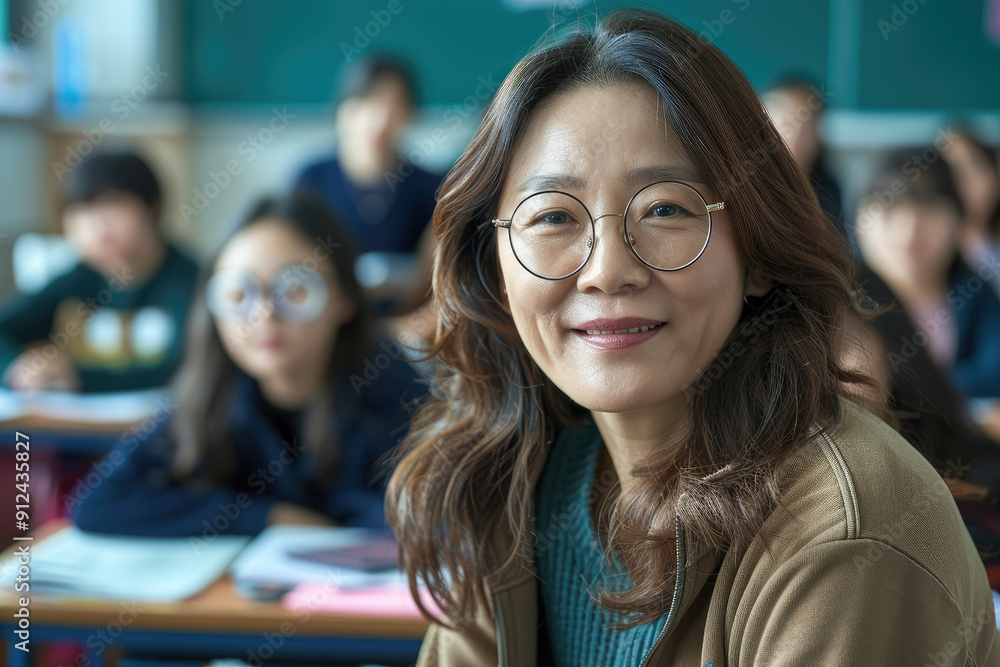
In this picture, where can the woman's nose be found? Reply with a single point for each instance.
(612, 266)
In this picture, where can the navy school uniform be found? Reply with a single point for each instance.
(139, 496)
(390, 215)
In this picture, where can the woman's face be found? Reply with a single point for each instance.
(602, 145)
(910, 244)
(264, 345)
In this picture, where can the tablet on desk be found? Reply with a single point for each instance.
(379, 554)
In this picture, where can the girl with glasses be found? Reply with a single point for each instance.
(284, 404)
(642, 447)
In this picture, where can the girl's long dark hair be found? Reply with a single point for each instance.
(204, 384)
(460, 496)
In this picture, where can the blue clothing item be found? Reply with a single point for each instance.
(142, 325)
(976, 372)
(572, 565)
(389, 217)
(135, 493)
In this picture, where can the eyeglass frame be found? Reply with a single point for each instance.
(710, 208)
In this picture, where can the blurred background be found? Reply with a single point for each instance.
(194, 84)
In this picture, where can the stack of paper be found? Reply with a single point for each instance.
(268, 568)
(386, 600)
(75, 564)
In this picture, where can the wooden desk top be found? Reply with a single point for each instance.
(36, 424)
(217, 609)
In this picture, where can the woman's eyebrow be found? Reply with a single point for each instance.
(643, 175)
(552, 182)
(673, 172)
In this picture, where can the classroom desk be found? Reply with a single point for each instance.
(80, 423)
(64, 435)
(216, 623)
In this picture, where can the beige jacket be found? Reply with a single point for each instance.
(869, 564)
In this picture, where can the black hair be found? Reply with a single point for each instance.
(924, 177)
(359, 80)
(103, 174)
(205, 382)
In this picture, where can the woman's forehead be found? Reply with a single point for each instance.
(598, 132)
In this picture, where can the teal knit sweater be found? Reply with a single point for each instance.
(572, 566)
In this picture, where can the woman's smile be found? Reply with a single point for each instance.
(616, 334)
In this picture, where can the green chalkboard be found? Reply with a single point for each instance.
(264, 51)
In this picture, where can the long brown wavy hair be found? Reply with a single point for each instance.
(460, 497)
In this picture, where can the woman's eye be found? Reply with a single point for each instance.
(555, 218)
(665, 210)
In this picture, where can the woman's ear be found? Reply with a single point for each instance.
(756, 284)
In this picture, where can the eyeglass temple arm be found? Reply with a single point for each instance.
(717, 207)
(501, 223)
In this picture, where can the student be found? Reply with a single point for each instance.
(284, 405)
(796, 106)
(115, 322)
(977, 177)
(385, 201)
(913, 245)
(933, 416)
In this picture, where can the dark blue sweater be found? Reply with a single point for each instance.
(135, 494)
(390, 216)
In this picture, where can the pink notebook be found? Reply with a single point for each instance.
(390, 600)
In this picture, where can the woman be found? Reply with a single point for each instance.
(642, 448)
(277, 418)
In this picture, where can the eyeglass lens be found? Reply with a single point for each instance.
(667, 226)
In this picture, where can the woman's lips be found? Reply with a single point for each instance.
(617, 334)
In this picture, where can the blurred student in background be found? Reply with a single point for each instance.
(795, 105)
(936, 337)
(114, 322)
(913, 244)
(385, 201)
(977, 176)
(282, 412)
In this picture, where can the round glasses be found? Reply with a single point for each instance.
(299, 294)
(667, 227)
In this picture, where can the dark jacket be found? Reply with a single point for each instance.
(136, 494)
